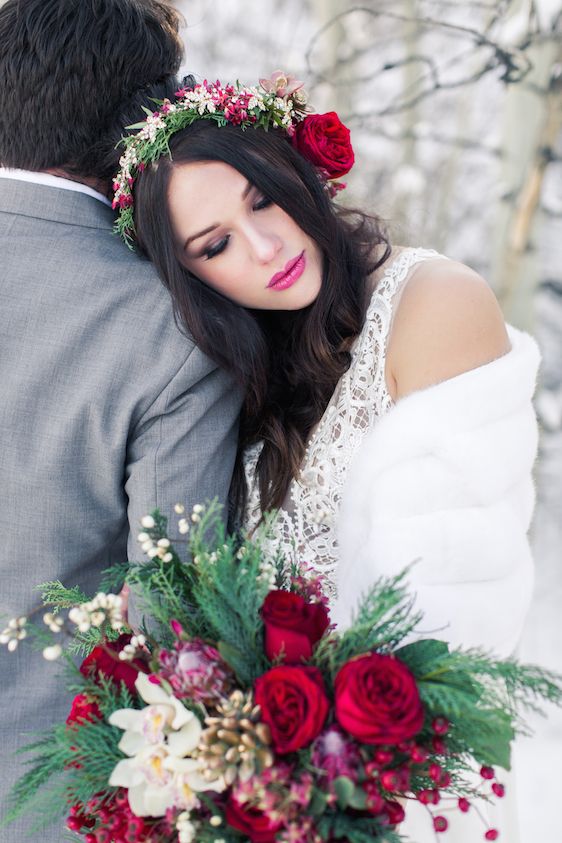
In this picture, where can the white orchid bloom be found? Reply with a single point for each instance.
(157, 740)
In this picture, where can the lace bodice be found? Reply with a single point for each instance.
(305, 528)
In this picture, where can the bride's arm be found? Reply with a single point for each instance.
(448, 322)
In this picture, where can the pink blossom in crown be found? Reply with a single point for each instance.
(282, 84)
(195, 670)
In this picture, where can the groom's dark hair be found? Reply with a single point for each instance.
(71, 71)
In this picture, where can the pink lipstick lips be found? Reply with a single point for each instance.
(292, 272)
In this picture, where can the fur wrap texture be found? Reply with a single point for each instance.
(445, 478)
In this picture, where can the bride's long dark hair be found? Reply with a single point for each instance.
(287, 362)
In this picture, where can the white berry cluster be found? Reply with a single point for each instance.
(154, 547)
(130, 650)
(159, 548)
(183, 523)
(185, 828)
(196, 514)
(103, 608)
(267, 574)
(54, 622)
(14, 633)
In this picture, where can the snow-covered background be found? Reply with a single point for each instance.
(473, 168)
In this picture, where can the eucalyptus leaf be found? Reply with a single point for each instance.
(344, 789)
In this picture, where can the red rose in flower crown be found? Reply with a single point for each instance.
(292, 626)
(377, 700)
(101, 662)
(251, 822)
(294, 705)
(324, 141)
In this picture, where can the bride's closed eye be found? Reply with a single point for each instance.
(217, 248)
(262, 202)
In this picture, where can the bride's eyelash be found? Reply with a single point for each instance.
(262, 202)
(218, 248)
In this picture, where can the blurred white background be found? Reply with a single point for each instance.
(456, 116)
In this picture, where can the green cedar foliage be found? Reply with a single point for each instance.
(215, 594)
(69, 765)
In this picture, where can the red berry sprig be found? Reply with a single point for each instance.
(440, 823)
(440, 726)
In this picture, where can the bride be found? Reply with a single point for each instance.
(387, 413)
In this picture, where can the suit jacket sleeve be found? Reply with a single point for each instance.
(182, 449)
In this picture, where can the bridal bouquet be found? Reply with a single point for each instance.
(240, 714)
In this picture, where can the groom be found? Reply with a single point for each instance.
(107, 410)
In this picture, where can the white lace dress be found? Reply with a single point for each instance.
(305, 529)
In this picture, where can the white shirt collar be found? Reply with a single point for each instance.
(52, 181)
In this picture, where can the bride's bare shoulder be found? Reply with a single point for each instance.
(448, 321)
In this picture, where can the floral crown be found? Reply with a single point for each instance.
(279, 102)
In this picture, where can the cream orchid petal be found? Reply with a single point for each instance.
(136, 800)
(126, 774)
(157, 799)
(185, 740)
(182, 715)
(128, 719)
(132, 742)
(197, 783)
(155, 695)
(150, 693)
(181, 765)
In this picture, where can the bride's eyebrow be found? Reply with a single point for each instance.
(212, 227)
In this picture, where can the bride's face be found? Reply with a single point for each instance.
(238, 242)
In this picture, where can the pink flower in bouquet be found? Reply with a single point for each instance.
(334, 753)
(105, 661)
(195, 670)
(292, 626)
(253, 823)
(293, 704)
(324, 141)
(377, 700)
(310, 584)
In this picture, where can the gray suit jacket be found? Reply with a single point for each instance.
(107, 411)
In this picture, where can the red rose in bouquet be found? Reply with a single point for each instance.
(294, 705)
(83, 710)
(101, 662)
(377, 700)
(324, 141)
(292, 626)
(251, 822)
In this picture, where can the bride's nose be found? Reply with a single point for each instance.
(264, 243)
